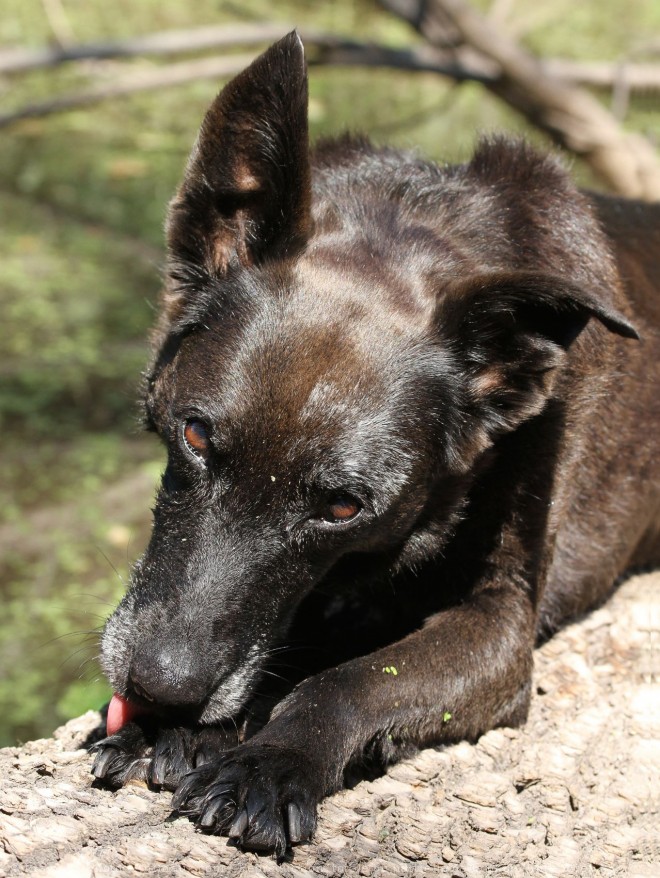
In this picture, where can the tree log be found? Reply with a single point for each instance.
(572, 793)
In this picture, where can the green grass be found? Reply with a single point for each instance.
(82, 202)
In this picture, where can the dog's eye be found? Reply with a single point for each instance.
(196, 438)
(342, 507)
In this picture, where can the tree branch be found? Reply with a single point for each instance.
(330, 51)
(173, 42)
(572, 117)
(460, 44)
(340, 50)
(605, 75)
(135, 81)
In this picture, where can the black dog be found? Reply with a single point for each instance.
(410, 430)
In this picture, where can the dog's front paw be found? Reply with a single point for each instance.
(262, 797)
(141, 751)
(158, 755)
(124, 756)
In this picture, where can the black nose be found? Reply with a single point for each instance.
(170, 675)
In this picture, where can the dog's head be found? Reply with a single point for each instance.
(336, 352)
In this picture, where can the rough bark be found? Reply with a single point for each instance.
(573, 793)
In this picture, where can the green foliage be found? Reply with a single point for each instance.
(66, 545)
(74, 337)
(82, 203)
(44, 647)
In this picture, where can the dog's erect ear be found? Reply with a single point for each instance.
(246, 191)
(510, 332)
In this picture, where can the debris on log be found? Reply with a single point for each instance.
(575, 792)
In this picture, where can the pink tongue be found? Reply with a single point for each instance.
(120, 712)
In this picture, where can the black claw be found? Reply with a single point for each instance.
(181, 794)
(189, 794)
(308, 826)
(102, 761)
(110, 741)
(159, 769)
(202, 757)
(293, 814)
(207, 818)
(212, 809)
(239, 825)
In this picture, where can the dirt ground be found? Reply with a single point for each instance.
(576, 792)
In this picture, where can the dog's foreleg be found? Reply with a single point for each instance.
(467, 670)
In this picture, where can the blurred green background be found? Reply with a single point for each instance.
(82, 201)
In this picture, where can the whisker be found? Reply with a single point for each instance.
(272, 664)
(289, 647)
(91, 658)
(74, 654)
(95, 597)
(238, 734)
(117, 573)
(68, 609)
(89, 633)
(273, 674)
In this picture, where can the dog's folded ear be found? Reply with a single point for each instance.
(510, 332)
(246, 191)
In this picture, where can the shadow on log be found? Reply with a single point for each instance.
(573, 793)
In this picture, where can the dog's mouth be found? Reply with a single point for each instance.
(223, 701)
(123, 710)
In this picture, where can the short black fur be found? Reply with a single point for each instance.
(429, 434)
